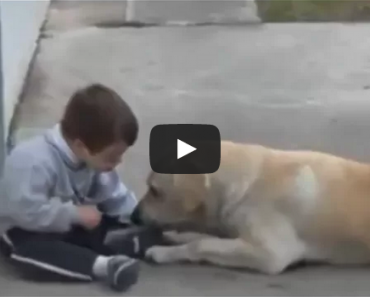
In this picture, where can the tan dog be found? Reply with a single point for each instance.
(270, 208)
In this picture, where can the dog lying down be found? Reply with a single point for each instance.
(264, 210)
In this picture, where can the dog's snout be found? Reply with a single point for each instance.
(136, 216)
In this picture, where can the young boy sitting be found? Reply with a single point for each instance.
(60, 192)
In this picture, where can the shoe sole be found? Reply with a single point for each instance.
(126, 275)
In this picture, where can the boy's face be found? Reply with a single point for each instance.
(105, 160)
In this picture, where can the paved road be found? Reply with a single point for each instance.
(287, 86)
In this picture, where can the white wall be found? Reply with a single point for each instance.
(21, 22)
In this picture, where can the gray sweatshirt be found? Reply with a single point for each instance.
(43, 181)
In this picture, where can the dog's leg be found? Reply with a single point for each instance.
(225, 252)
(184, 237)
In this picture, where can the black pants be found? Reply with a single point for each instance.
(70, 255)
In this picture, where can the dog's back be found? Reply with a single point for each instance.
(320, 202)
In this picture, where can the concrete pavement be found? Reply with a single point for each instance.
(163, 12)
(288, 86)
(112, 13)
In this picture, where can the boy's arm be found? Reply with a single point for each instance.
(26, 202)
(115, 199)
(119, 203)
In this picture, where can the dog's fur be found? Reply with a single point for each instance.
(269, 208)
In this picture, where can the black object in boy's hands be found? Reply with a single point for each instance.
(134, 241)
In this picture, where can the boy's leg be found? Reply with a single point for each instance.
(129, 240)
(95, 239)
(133, 241)
(49, 252)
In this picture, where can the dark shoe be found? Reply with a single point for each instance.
(123, 272)
(5, 248)
(135, 240)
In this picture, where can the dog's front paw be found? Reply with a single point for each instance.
(183, 237)
(159, 254)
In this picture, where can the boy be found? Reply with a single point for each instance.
(60, 191)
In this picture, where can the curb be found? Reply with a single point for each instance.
(191, 12)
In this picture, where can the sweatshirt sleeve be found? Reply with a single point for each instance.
(115, 199)
(26, 188)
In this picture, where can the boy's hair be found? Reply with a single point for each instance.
(99, 117)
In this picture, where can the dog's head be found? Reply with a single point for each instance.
(173, 200)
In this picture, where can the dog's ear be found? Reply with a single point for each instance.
(194, 187)
(207, 181)
(195, 180)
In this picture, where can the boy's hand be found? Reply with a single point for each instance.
(90, 217)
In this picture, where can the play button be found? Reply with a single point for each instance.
(183, 149)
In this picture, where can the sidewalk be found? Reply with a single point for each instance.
(288, 86)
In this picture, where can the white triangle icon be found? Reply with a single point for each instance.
(183, 149)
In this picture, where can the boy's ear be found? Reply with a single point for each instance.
(79, 145)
